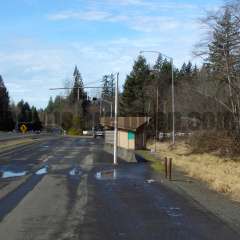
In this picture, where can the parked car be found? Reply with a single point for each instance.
(98, 132)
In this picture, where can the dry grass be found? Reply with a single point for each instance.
(221, 173)
(156, 164)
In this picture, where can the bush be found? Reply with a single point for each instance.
(74, 132)
(221, 143)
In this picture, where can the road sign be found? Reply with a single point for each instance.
(23, 128)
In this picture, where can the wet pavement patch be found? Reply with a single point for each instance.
(42, 171)
(13, 171)
(12, 174)
(174, 212)
(75, 172)
(107, 175)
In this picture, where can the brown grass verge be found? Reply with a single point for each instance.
(220, 173)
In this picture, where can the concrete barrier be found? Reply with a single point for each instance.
(124, 154)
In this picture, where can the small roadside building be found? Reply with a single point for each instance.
(132, 131)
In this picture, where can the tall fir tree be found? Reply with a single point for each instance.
(77, 92)
(133, 101)
(108, 87)
(24, 112)
(6, 119)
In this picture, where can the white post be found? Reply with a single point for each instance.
(156, 130)
(116, 123)
(173, 105)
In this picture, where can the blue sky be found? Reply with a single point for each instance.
(42, 40)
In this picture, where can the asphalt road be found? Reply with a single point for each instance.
(67, 188)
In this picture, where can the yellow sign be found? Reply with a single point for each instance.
(23, 128)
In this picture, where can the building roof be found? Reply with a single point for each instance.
(125, 123)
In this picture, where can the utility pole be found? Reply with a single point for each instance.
(173, 104)
(156, 130)
(66, 88)
(116, 123)
(173, 91)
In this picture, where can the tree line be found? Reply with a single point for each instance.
(72, 111)
(208, 93)
(77, 111)
(13, 115)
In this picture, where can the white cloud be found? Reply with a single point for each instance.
(31, 67)
(85, 16)
(136, 22)
(29, 73)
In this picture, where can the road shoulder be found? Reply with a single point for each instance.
(197, 191)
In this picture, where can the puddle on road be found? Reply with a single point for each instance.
(107, 175)
(42, 171)
(173, 211)
(12, 174)
(10, 171)
(13, 171)
(75, 172)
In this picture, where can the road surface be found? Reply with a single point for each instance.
(67, 188)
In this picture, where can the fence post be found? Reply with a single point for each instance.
(170, 169)
(166, 166)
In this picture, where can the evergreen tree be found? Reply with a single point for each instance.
(37, 125)
(159, 62)
(50, 106)
(225, 45)
(133, 101)
(224, 55)
(78, 89)
(108, 87)
(105, 87)
(6, 119)
(25, 113)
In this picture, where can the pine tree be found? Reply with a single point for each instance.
(159, 62)
(224, 48)
(25, 113)
(133, 101)
(78, 89)
(37, 125)
(6, 119)
(224, 55)
(108, 87)
(105, 87)
(50, 106)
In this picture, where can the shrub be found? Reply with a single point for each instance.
(221, 143)
(74, 132)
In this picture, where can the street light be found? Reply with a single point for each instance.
(173, 95)
(116, 122)
(115, 118)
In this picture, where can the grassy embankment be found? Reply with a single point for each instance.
(220, 172)
(156, 163)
